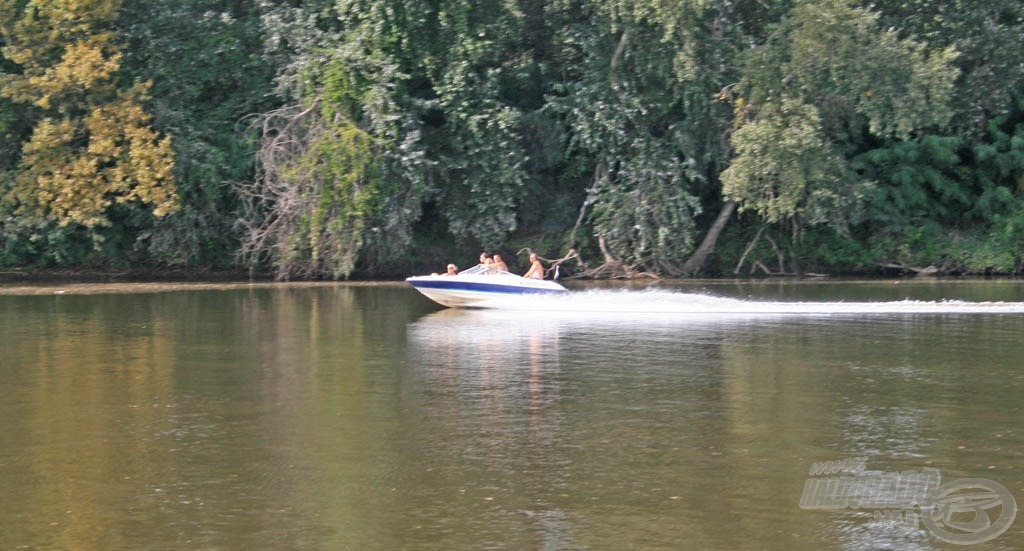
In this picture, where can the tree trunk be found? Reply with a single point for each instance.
(696, 261)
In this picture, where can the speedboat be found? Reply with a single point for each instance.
(478, 284)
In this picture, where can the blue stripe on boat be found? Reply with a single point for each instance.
(483, 287)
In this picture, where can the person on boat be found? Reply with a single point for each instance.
(485, 259)
(536, 271)
(499, 264)
(452, 270)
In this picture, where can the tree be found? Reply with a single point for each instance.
(207, 64)
(643, 106)
(988, 36)
(828, 80)
(477, 74)
(340, 175)
(91, 147)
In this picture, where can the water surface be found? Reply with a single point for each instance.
(364, 417)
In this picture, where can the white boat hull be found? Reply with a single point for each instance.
(466, 290)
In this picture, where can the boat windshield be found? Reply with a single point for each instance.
(482, 269)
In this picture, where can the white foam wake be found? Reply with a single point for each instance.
(671, 302)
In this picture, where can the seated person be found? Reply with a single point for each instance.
(452, 270)
(499, 264)
(536, 270)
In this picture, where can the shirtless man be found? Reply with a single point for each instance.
(485, 259)
(536, 270)
(499, 264)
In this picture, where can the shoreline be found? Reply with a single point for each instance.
(90, 283)
(179, 275)
(140, 287)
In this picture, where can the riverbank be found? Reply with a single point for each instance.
(107, 288)
(89, 275)
(178, 275)
(901, 288)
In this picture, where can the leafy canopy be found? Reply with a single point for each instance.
(91, 146)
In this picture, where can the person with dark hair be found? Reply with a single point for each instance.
(499, 264)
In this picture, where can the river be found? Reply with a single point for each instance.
(362, 416)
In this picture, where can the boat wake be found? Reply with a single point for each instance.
(601, 302)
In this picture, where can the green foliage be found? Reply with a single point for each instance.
(476, 78)
(918, 245)
(91, 148)
(917, 180)
(999, 164)
(1006, 238)
(342, 174)
(785, 169)
(989, 39)
(648, 122)
(331, 232)
(828, 84)
(326, 137)
(205, 61)
(838, 52)
(12, 132)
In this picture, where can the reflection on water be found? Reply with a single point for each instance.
(701, 428)
(362, 417)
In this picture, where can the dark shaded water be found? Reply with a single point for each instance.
(362, 417)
